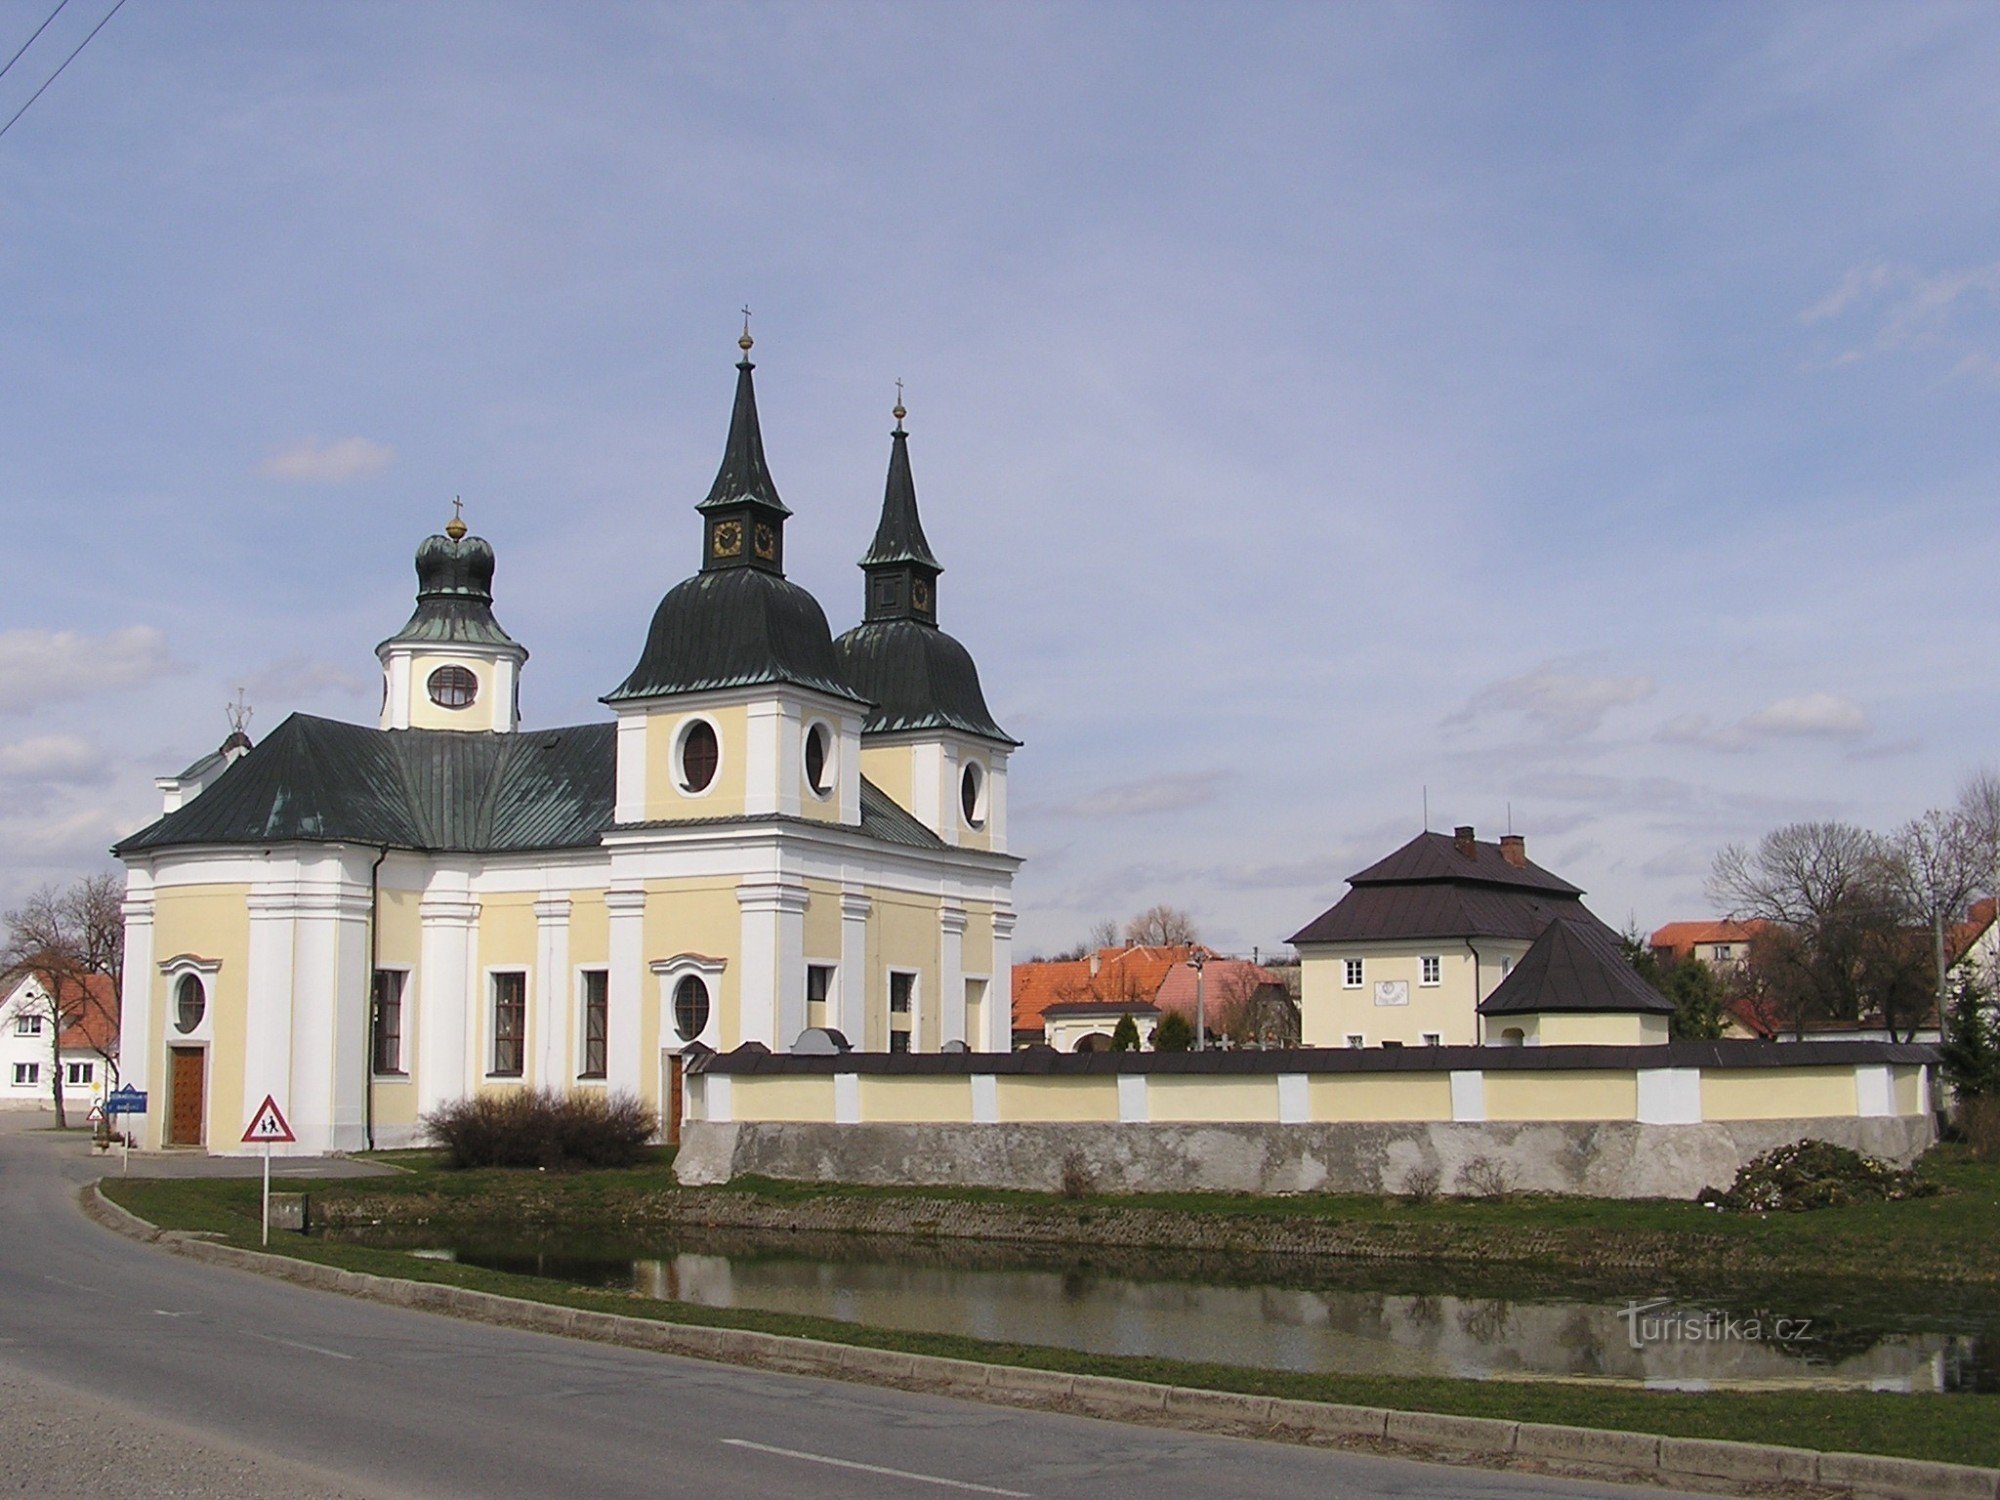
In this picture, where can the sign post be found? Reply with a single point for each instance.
(125, 1100)
(268, 1125)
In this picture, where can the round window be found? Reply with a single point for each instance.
(819, 760)
(452, 687)
(690, 1008)
(190, 1003)
(972, 794)
(700, 754)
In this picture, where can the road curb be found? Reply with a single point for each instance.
(1627, 1456)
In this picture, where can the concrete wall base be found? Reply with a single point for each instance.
(1612, 1159)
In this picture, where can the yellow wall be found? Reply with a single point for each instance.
(779, 1098)
(976, 947)
(212, 922)
(1776, 1094)
(889, 767)
(589, 930)
(1586, 1029)
(1908, 1091)
(690, 916)
(726, 796)
(477, 715)
(822, 923)
(902, 934)
(915, 1099)
(1330, 1012)
(1032, 1100)
(1378, 1096)
(1171, 1099)
(1568, 1095)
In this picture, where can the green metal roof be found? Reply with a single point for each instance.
(917, 677)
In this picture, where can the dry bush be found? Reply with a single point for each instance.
(1421, 1186)
(1483, 1177)
(540, 1128)
(1978, 1121)
(1075, 1175)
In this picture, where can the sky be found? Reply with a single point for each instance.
(1581, 416)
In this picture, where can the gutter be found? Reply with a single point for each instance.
(374, 967)
(1477, 999)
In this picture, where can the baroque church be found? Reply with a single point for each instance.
(776, 831)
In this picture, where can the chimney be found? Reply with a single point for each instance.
(1461, 840)
(1514, 849)
(1096, 959)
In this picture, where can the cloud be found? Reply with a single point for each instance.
(1153, 794)
(1945, 312)
(297, 677)
(44, 666)
(52, 760)
(1810, 716)
(1566, 705)
(312, 462)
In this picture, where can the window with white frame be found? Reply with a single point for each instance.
(27, 1026)
(26, 1074)
(596, 1023)
(1351, 974)
(1431, 969)
(387, 1022)
(510, 1024)
(78, 1074)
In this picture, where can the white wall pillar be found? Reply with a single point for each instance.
(269, 1008)
(847, 1098)
(1468, 1096)
(763, 757)
(985, 1099)
(629, 794)
(1874, 1091)
(771, 992)
(1294, 1099)
(951, 975)
(447, 996)
(852, 1009)
(1000, 989)
(136, 983)
(1132, 1107)
(553, 1022)
(1670, 1096)
(625, 983)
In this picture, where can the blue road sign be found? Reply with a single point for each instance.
(125, 1101)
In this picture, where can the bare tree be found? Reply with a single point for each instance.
(1935, 863)
(72, 940)
(1161, 926)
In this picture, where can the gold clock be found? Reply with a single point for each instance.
(920, 594)
(728, 538)
(765, 540)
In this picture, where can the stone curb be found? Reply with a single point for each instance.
(1636, 1457)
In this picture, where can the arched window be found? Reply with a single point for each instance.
(972, 794)
(819, 760)
(452, 687)
(690, 1007)
(190, 1003)
(700, 755)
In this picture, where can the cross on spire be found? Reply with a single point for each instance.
(746, 341)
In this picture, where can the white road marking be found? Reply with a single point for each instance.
(848, 1463)
(295, 1344)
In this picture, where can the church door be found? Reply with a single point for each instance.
(670, 1101)
(185, 1105)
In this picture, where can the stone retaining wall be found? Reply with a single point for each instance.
(1615, 1159)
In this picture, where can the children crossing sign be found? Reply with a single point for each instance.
(268, 1125)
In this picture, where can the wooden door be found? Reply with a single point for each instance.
(184, 1107)
(670, 1111)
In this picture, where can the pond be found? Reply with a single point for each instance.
(1292, 1313)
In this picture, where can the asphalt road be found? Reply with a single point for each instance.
(126, 1369)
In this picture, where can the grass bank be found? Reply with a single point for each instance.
(1961, 1429)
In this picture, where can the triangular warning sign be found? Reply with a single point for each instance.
(268, 1124)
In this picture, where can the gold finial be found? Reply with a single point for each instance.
(455, 527)
(746, 341)
(899, 413)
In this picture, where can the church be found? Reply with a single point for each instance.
(775, 831)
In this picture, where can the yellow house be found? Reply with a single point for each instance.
(776, 831)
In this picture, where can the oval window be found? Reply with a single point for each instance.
(690, 1008)
(819, 758)
(972, 794)
(190, 1003)
(452, 687)
(700, 754)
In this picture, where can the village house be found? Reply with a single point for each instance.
(88, 1049)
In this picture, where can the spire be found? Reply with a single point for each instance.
(902, 570)
(744, 478)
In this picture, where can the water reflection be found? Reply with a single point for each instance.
(1304, 1316)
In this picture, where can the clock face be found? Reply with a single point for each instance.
(1392, 992)
(728, 538)
(766, 542)
(920, 594)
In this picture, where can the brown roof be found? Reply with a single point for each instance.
(1679, 938)
(1574, 967)
(1430, 889)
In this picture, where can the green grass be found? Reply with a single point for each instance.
(1956, 1428)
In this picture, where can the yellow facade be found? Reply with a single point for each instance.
(916, 1099)
(787, 1099)
(1908, 1086)
(1571, 1094)
(724, 797)
(211, 923)
(903, 936)
(1777, 1093)
(1027, 1101)
(1585, 1029)
(891, 768)
(1332, 1012)
(1361, 1097)
(480, 714)
(691, 916)
(1172, 1099)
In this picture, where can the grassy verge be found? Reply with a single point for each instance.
(1960, 1429)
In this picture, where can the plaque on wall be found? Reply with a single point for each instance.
(1392, 992)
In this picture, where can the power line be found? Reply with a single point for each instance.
(31, 40)
(65, 63)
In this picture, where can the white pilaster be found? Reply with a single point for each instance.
(763, 791)
(268, 1015)
(625, 981)
(1468, 1096)
(771, 992)
(951, 974)
(851, 1011)
(1670, 1096)
(1294, 1106)
(985, 1099)
(1132, 1107)
(446, 996)
(629, 792)
(136, 985)
(1874, 1091)
(846, 1099)
(554, 1027)
(1000, 990)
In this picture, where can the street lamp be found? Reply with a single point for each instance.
(1198, 960)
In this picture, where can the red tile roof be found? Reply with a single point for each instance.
(1121, 974)
(1960, 937)
(1225, 981)
(1679, 938)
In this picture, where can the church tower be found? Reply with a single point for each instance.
(929, 741)
(452, 666)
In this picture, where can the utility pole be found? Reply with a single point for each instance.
(1198, 960)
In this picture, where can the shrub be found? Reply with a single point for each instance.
(1814, 1174)
(1075, 1175)
(1175, 1033)
(1482, 1177)
(539, 1128)
(1978, 1120)
(1125, 1035)
(1421, 1186)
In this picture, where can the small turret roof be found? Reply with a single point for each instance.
(899, 536)
(454, 595)
(744, 478)
(1574, 967)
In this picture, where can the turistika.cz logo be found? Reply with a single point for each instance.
(1660, 1322)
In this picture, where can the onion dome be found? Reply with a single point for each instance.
(916, 676)
(739, 622)
(455, 592)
